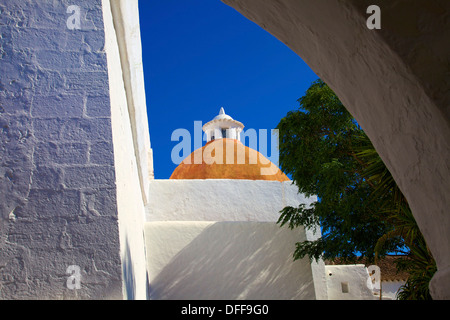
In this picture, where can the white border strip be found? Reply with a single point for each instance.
(126, 23)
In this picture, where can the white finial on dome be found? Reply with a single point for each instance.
(222, 115)
(223, 126)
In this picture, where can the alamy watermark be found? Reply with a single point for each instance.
(259, 152)
(374, 20)
(74, 280)
(78, 19)
(74, 21)
(374, 280)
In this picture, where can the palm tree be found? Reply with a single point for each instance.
(395, 209)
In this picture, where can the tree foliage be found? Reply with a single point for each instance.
(317, 147)
(360, 209)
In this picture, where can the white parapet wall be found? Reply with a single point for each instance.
(226, 260)
(218, 239)
(221, 200)
(349, 282)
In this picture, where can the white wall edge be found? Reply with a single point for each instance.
(318, 266)
(129, 167)
(126, 23)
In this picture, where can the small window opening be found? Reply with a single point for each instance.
(344, 287)
(224, 133)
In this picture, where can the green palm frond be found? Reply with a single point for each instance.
(383, 239)
(396, 211)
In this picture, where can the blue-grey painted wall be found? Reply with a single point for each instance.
(57, 178)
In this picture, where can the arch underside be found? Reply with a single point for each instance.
(395, 81)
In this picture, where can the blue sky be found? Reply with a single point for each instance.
(200, 55)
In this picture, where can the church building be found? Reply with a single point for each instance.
(211, 229)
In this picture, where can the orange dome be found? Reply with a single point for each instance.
(227, 159)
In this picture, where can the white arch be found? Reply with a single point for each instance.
(394, 81)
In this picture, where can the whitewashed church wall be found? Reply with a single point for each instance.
(187, 219)
(226, 260)
(348, 282)
(221, 200)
